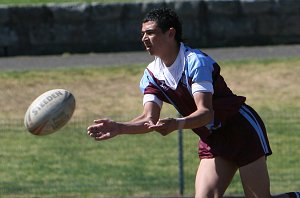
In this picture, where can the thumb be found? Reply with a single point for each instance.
(99, 121)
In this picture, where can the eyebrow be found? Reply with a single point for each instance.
(149, 29)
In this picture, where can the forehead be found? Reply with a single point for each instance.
(149, 25)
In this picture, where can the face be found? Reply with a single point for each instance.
(155, 41)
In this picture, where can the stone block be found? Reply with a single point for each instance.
(289, 25)
(223, 7)
(4, 15)
(69, 13)
(8, 37)
(104, 27)
(251, 7)
(105, 11)
(287, 6)
(267, 25)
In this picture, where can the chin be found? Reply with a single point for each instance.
(150, 52)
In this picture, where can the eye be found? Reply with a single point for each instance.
(150, 32)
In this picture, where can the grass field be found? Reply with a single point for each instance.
(70, 164)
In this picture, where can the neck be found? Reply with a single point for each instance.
(171, 55)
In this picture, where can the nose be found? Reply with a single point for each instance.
(144, 36)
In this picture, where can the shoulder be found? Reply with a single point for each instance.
(197, 58)
(198, 63)
(147, 75)
(151, 66)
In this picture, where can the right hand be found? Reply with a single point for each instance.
(103, 129)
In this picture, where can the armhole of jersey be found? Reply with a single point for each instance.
(152, 98)
(204, 86)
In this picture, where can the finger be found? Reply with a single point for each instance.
(158, 121)
(89, 132)
(161, 122)
(92, 134)
(150, 122)
(92, 128)
(99, 121)
(103, 136)
(157, 128)
(96, 125)
(147, 125)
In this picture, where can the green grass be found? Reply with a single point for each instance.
(68, 163)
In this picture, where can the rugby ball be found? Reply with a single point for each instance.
(49, 112)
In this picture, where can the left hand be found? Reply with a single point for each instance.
(163, 126)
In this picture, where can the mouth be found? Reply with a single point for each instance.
(147, 46)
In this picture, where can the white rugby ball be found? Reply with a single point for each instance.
(49, 112)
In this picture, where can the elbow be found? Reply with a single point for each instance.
(209, 116)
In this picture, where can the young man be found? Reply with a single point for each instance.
(232, 135)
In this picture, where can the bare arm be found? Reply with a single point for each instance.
(103, 129)
(201, 117)
(204, 113)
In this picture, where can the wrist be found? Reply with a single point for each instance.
(119, 128)
(180, 123)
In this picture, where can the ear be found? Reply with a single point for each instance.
(172, 32)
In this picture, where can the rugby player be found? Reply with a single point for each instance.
(232, 136)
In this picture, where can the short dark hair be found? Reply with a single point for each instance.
(165, 18)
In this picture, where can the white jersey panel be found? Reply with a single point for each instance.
(152, 98)
(202, 87)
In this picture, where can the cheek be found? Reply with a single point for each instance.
(155, 40)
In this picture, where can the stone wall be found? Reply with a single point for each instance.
(98, 27)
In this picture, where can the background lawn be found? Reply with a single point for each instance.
(68, 163)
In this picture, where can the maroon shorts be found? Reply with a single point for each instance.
(242, 140)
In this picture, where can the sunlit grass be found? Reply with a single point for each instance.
(68, 163)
